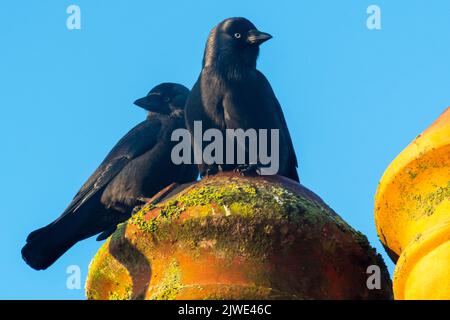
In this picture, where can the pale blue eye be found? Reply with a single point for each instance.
(237, 35)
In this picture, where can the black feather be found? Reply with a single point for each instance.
(137, 167)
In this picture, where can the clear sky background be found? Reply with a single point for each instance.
(353, 99)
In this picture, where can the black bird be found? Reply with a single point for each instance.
(231, 93)
(136, 169)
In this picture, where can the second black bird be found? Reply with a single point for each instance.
(136, 169)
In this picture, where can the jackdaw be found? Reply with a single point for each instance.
(136, 169)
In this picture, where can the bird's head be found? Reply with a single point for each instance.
(165, 98)
(234, 41)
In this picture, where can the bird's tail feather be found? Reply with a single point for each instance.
(44, 246)
(37, 232)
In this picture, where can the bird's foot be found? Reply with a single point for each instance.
(136, 209)
(212, 170)
(144, 200)
(140, 204)
(248, 169)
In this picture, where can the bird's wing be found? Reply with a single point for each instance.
(139, 140)
(279, 114)
(101, 179)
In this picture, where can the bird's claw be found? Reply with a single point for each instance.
(144, 200)
(137, 209)
(248, 169)
(155, 199)
(212, 170)
(141, 204)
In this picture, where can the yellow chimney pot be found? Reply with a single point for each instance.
(412, 214)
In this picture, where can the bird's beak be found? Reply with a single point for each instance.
(257, 37)
(152, 102)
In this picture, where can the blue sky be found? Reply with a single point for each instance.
(353, 99)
